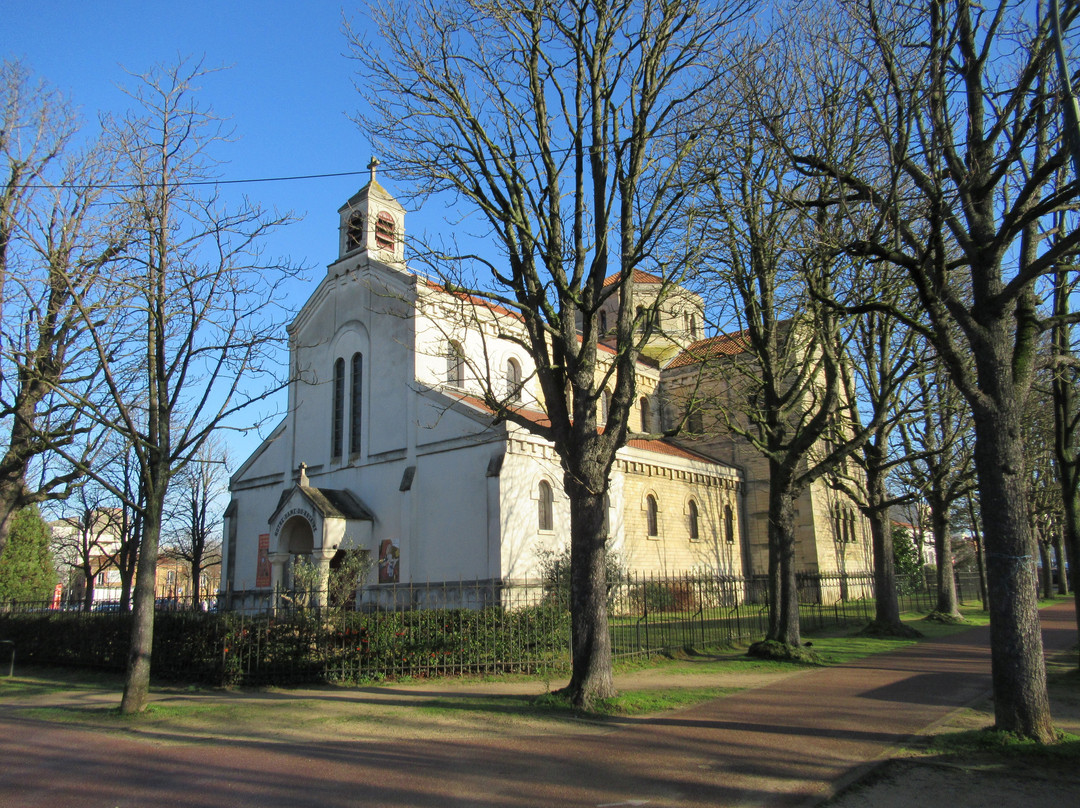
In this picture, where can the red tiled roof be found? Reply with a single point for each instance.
(541, 419)
(640, 276)
(665, 448)
(723, 345)
(474, 299)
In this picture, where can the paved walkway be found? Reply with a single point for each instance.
(789, 743)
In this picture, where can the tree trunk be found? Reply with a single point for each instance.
(783, 586)
(1071, 529)
(1045, 575)
(946, 581)
(592, 676)
(88, 587)
(1059, 562)
(1021, 704)
(980, 558)
(12, 500)
(886, 603)
(137, 682)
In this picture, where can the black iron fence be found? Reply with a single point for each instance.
(432, 630)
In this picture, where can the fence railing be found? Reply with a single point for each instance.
(431, 630)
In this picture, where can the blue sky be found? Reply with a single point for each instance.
(287, 93)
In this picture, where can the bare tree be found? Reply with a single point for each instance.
(966, 129)
(939, 470)
(772, 254)
(565, 126)
(1065, 374)
(200, 487)
(884, 354)
(195, 308)
(57, 241)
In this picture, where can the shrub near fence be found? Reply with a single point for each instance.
(287, 647)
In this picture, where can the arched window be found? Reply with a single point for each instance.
(513, 380)
(605, 406)
(544, 502)
(729, 525)
(650, 515)
(851, 526)
(338, 417)
(693, 519)
(356, 402)
(693, 419)
(693, 326)
(455, 365)
(646, 418)
(838, 526)
(384, 231)
(354, 234)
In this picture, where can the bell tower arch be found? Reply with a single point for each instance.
(372, 222)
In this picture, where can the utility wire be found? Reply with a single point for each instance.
(198, 182)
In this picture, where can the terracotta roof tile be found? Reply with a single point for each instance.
(665, 448)
(640, 276)
(711, 348)
(541, 419)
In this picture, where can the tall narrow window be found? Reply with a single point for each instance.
(693, 518)
(384, 231)
(354, 234)
(545, 511)
(513, 380)
(693, 326)
(650, 515)
(338, 417)
(356, 402)
(605, 406)
(455, 365)
(729, 525)
(646, 418)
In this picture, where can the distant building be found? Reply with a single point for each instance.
(85, 548)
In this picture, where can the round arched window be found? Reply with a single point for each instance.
(354, 235)
(384, 231)
(651, 515)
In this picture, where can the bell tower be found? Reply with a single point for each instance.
(373, 222)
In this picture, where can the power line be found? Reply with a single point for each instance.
(193, 183)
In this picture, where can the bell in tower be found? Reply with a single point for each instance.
(373, 223)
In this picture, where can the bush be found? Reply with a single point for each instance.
(26, 565)
(654, 597)
(555, 574)
(909, 569)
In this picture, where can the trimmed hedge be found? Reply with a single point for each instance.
(302, 647)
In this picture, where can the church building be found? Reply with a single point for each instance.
(387, 448)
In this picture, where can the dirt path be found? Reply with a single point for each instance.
(790, 740)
